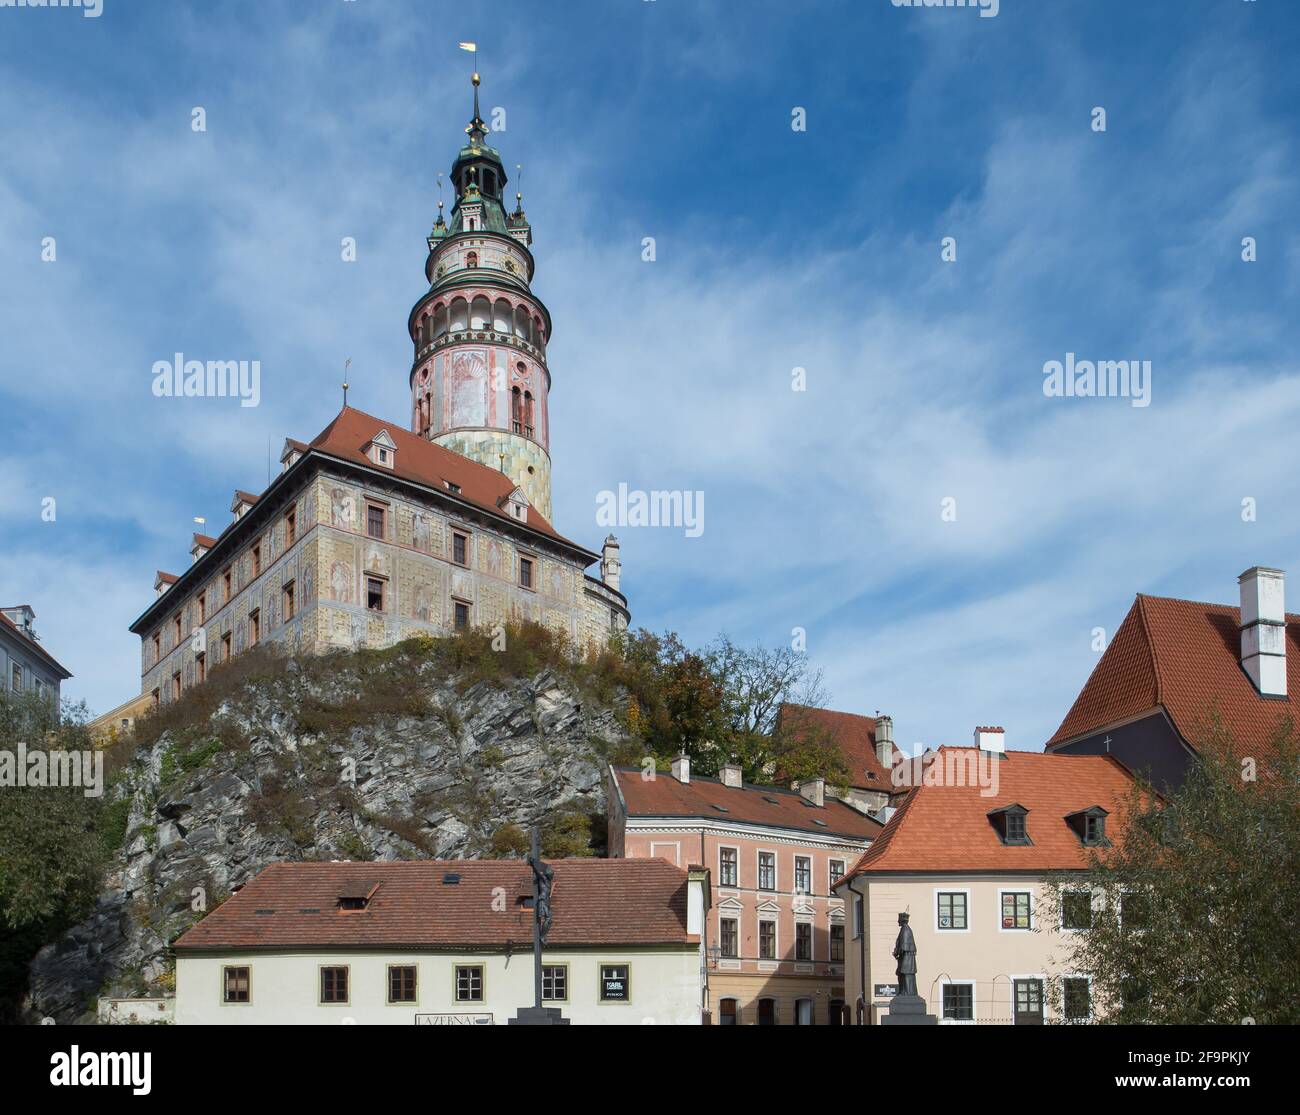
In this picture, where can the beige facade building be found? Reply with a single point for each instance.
(370, 535)
(967, 858)
(446, 943)
(775, 935)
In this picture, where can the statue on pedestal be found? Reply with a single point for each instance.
(905, 954)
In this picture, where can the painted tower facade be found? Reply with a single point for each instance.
(479, 380)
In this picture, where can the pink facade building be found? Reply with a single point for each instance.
(775, 935)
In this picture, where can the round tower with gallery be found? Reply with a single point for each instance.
(479, 380)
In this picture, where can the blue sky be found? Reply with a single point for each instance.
(776, 249)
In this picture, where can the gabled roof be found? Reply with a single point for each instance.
(594, 902)
(946, 828)
(748, 804)
(426, 463)
(33, 646)
(1182, 656)
(855, 736)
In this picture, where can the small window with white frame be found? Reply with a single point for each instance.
(952, 910)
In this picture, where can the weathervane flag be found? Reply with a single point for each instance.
(469, 46)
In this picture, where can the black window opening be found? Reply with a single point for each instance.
(728, 1014)
(803, 938)
(401, 983)
(461, 616)
(374, 594)
(766, 871)
(1076, 910)
(1076, 998)
(767, 940)
(837, 944)
(333, 985)
(729, 938)
(959, 1002)
(614, 984)
(727, 867)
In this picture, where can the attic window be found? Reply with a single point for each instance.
(1009, 821)
(263, 913)
(819, 821)
(382, 451)
(353, 897)
(352, 903)
(773, 801)
(453, 488)
(720, 808)
(1090, 826)
(451, 879)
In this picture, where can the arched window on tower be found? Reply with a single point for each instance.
(528, 414)
(521, 323)
(516, 411)
(459, 316)
(439, 321)
(480, 314)
(501, 315)
(471, 260)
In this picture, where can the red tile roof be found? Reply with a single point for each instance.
(426, 463)
(36, 648)
(747, 804)
(204, 540)
(1182, 656)
(945, 828)
(167, 578)
(855, 735)
(593, 902)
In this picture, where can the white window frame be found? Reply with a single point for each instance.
(758, 869)
(729, 848)
(859, 916)
(1033, 909)
(761, 916)
(794, 883)
(831, 876)
(944, 981)
(969, 909)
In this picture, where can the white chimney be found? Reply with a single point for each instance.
(731, 774)
(1263, 629)
(814, 789)
(991, 739)
(885, 740)
(682, 768)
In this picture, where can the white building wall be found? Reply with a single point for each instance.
(665, 988)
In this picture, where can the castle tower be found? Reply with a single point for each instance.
(479, 382)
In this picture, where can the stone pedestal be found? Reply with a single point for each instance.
(538, 1016)
(907, 1010)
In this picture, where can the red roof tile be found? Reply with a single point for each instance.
(425, 463)
(747, 804)
(945, 828)
(593, 902)
(855, 735)
(1183, 656)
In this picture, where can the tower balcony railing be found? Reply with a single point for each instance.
(491, 336)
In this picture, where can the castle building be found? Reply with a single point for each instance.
(373, 533)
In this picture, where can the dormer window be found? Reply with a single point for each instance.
(1090, 826)
(1010, 824)
(382, 450)
(354, 898)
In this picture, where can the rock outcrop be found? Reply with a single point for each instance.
(297, 768)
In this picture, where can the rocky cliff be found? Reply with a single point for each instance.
(367, 756)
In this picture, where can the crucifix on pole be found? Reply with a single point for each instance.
(543, 876)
